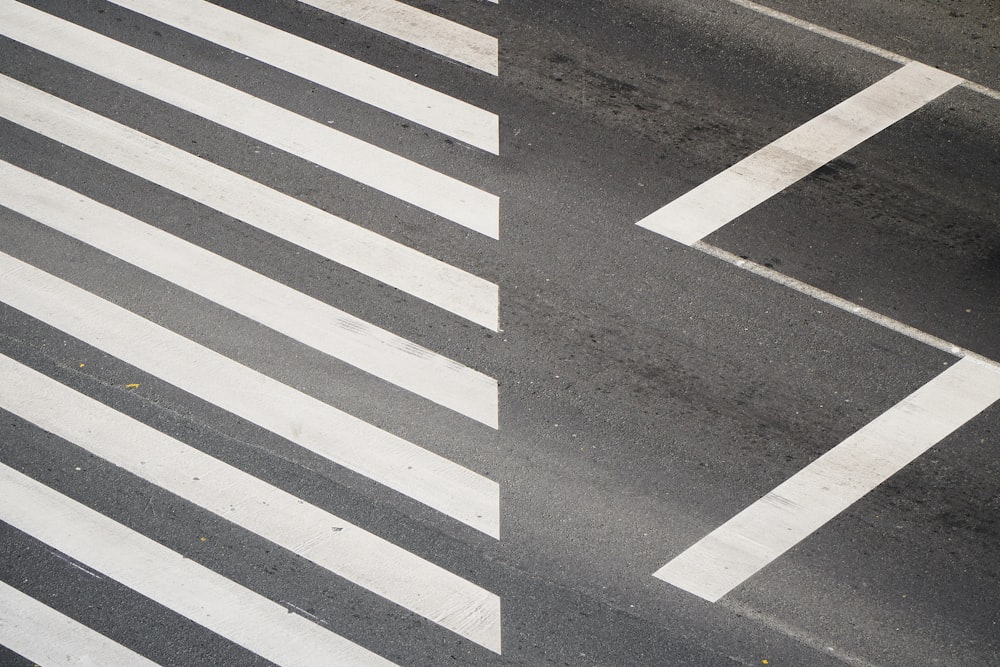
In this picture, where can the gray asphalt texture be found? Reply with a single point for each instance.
(648, 391)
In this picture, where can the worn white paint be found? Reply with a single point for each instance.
(757, 178)
(428, 31)
(327, 235)
(48, 637)
(327, 68)
(304, 529)
(297, 315)
(322, 429)
(179, 584)
(758, 535)
(375, 167)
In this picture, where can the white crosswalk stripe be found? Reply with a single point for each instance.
(387, 261)
(48, 637)
(297, 315)
(410, 583)
(327, 68)
(180, 584)
(400, 465)
(421, 28)
(397, 176)
(325, 539)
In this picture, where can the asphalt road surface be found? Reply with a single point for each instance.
(353, 332)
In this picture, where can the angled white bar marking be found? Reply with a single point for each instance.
(48, 637)
(383, 259)
(191, 590)
(297, 315)
(723, 198)
(327, 540)
(242, 112)
(320, 428)
(327, 68)
(423, 29)
(752, 539)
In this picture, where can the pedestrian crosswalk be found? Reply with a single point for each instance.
(405, 470)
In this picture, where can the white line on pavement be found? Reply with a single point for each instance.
(387, 261)
(297, 315)
(242, 112)
(47, 637)
(840, 303)
(850, 41)
(423, 29)
(758, 535)
(328, 68)
(320, 428)
(327, 540)
(753, 180)
(183, 586)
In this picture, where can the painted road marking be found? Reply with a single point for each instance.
(757, 178)
(320, 428)
(183, 586)
(378, 168)
(428, 31)
(327, 235)
(735, 551)
(327, 68)
(306, 530)
(838, 302)
(850, 41)
(48, 637)
(297, 315)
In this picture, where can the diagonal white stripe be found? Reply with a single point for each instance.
(423, 29)
(757, 178)
(396, 463)
(327, 540)
(292, 313)
(48, 637)
(239, 111)
(758, 535)
(432, 280)
(328, 68)
(191, 590)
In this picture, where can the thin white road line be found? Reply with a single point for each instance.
(850, 41)
(297, 315)
(404, 179)
(841, 303)
(320, 428)
(182, 585)
(328, 68)
(756, 178)
(428, 31)
(755, 537)
(327, 235)
(304, 529)
(47, 637)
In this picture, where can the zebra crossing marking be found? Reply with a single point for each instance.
(325, 234)
(297, 315)
(328, 68)
(400, 465)
(428, 31)
(236, 496)
(392, 174)
(48, 637)
(168, 578)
